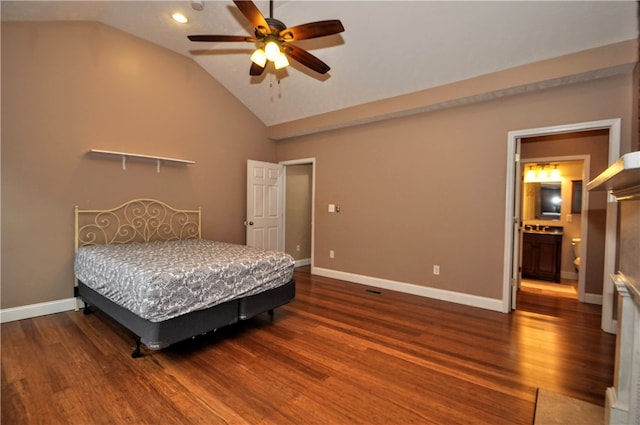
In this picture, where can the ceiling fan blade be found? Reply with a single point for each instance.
(217, 38)
(256, 69)
(251, 12)
(306, 59)
(312, 30)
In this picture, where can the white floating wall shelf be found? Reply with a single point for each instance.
(621, 179)
(125, 155)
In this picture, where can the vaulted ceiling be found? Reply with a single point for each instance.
(389, 48)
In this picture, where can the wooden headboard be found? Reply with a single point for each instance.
(138, 220)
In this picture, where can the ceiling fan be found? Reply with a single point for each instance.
(274, 39)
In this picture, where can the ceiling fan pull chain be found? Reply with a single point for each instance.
(271, 88)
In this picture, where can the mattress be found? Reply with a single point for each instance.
(161, 280)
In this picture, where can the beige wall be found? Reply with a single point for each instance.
(414, 191)
(71, 87)
(584, 66)
(298, 211)
(636, 107)
(430, 188)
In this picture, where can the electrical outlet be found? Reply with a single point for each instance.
(298, 248)
(332, 254)
(436, 269)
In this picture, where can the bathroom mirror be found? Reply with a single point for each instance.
(541, 201)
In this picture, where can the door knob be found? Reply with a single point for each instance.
(251, 223)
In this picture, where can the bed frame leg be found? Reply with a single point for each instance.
(271, 314)
(136, 352)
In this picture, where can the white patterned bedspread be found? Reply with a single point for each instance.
(161, 280)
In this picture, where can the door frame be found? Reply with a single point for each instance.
(513, 138)
(302, 161)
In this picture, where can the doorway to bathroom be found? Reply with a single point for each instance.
(554, 216)
(566, 140)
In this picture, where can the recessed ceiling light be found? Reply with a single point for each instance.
(179, 17)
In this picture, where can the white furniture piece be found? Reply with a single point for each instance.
(622, 181)
(157, 159)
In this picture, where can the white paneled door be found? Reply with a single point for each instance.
(265, 217)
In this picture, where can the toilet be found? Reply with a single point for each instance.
(575, 242)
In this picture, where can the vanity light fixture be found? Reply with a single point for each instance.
(543, 175)
(538, 173)
(555, 174)
(530, 175)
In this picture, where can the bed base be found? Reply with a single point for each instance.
(148, 220)
(158, 335)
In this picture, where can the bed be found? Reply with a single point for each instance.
(145, 264)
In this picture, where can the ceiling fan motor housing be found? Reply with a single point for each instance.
(275, 25)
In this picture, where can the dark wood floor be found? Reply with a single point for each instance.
(337, 354)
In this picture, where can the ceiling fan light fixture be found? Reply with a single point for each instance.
(272, 50)
(273, 36)
(259, 58)
(281, 61)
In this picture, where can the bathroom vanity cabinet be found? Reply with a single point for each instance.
(541, 256)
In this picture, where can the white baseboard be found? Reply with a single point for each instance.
(303, 262)
(409, 288)
(593, 299)
(52, 307)
(569, 275)
(35, 310)
(614, 411)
